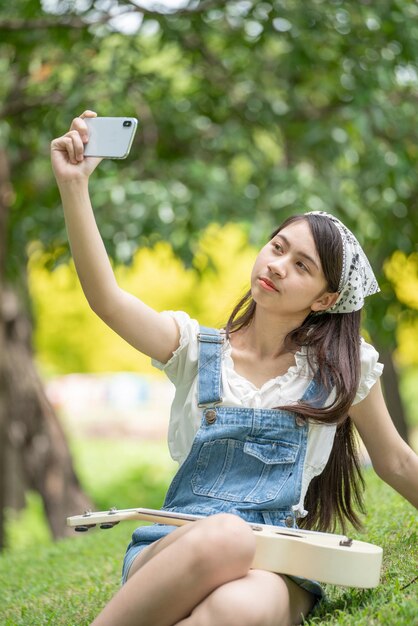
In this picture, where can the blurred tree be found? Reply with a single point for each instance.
(249, 111)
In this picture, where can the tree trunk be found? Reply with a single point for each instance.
(34, 432)
(5, 196)
(33, 449)
(392, 395)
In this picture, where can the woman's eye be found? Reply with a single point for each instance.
(302, 266)
(278, 247)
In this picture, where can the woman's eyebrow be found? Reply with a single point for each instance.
(299, 252)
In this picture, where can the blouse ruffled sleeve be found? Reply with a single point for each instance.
(182, 365)
(371, 370)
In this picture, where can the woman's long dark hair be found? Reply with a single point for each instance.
(333, 351)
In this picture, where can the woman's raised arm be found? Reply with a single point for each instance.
(144, 328)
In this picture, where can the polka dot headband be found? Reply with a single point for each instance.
(357, 279)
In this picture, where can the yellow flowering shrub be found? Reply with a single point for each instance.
(69, 337)
(402, 271)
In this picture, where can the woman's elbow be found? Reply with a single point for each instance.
(396, 467)
(105, 305)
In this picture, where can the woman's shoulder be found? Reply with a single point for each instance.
(183, 361)
(368, 352)
(370, 369)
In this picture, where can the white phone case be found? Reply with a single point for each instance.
(110, 137)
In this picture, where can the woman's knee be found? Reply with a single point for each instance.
(227, 612)
(249, 601)
(222, 542)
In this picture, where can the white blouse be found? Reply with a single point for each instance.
(237, 391)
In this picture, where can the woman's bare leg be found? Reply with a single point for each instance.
(258, 599)
(182, 573)
(154, 548)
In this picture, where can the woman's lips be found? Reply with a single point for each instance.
(267, 284)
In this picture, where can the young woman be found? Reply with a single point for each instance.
(262, 418)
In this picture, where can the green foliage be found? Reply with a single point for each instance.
(409, 393)
(124, 472)
(68, 582)
(249, 111)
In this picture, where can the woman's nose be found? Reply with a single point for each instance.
(278, 267)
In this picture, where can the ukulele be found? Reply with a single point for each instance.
(325, 557)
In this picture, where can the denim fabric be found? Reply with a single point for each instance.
(243, 461)
(209, 370)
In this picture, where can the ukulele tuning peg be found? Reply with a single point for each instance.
(346, 542)
(106, 525)
(84, 528)
(110, 524)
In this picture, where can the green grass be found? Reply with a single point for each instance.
(393, 524)
(67, 582)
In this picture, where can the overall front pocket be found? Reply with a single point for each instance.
(251, 471)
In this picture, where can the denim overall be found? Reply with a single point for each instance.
(243, 461)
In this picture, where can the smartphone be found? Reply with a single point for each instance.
(110, 137)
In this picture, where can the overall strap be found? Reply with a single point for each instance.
(316, 393)
(209, 371)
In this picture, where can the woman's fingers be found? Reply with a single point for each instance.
(75, 146)
(80, 125)
(69, 148)
(72, 144)
(77, 150)
(67, 152)
(88, 114)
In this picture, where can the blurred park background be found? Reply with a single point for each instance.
(249, 112)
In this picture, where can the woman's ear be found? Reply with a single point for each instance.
(325, 301)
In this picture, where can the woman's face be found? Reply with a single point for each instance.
(287, 276)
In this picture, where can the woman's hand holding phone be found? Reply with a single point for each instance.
(67, 152)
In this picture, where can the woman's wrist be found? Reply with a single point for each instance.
(74, 194)
(76, 184)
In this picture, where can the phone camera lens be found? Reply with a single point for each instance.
(127, 123)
